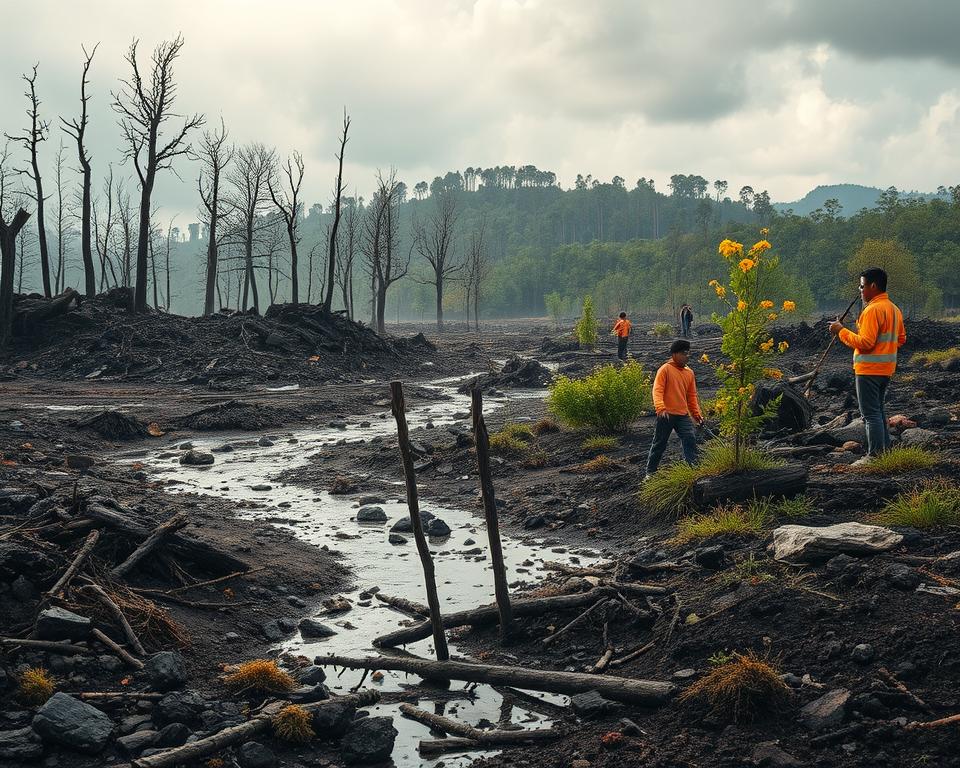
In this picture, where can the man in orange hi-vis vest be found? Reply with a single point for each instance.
(879, 335)
(621, 329)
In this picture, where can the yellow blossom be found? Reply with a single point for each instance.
(721, 291)
(713, 283)
(765, 231)
(789, 306)
(704, 358)
(728, 249)
(760, 247)
(773, 373)
(772, 316)
(766, 304)
(742, 391)
(741, 305)
(783, 346)
(767, 345)
(746, 265)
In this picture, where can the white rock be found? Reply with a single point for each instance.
(802, 543)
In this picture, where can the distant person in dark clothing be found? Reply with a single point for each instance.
(686, 320)
(621, 329)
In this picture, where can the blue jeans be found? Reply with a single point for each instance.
(683, 425)
(685, 326)
(871, 393)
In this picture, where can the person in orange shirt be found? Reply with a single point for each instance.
(880, 333)
(621, 330)
(675, 400)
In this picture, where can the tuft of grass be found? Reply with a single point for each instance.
(904, 458)
(535, 458)
(747, 569)
(667, 493)
(342, 484)
(798, 506)
(662, 330)
(720, 658)
(932, 504)
(294, 724)
(545, 425)
(598, 464)
(935, 356)
(260, 676)
(599, 444)
(512, 440)
(738, 519)
(743, 688)
(36, 686)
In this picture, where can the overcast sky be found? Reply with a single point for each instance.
(781, 95)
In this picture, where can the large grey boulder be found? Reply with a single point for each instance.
(60, 624)
(166, 670)
(333, 719)
(369, 740)
(310, 627)
(195, 458)
(371, 514)
(72, 723)
(804, 544)
(179, 707)
(918, 436)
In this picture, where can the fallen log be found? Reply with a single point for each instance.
(50, 646)
(576, 621)
(28, 313)
(229, 736)
(111, 514)
(82, 555)
(779, 482)
(154, 540)
(646, 692)
(449, 725)
(429, 747)
(121, 653)
(489, 614)
(409, 607)
(104, 599)
(107, 696)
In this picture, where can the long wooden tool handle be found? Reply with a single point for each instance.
(823, 357)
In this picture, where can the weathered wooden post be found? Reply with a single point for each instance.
(482, 443)
(430, 581)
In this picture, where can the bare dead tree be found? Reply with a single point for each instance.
(166, 264)
(31, 138)
(338, 195)
(144, 107)
(434, 241)
(248, 199)
(311, 255)
(26, 256)
(270, 248)
(371, 245)
(478, 269)
(63, 216)
(347, 251)
(391, 266)
(215, 155)
(103, 226)
(77, 129)
(289, 205)
(125, 248)
(11, 223)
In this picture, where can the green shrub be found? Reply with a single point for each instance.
(609, 399)
(740, 519)
(932, 504)
(599, 444)
(667, 492)
(587, 327)
(904, 458)
(663, 330)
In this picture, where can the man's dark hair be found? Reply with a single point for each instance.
(623, 315)
(680, 345)
(876, 276)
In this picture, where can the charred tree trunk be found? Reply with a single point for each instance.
(338, 196)
(8, 259)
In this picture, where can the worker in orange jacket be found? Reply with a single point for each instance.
(621, 329)
(880, 333)
(675, 400)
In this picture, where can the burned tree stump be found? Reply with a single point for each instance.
(781, 482)
(31, 311)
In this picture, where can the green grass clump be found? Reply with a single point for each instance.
(934, 356)
(663, 330)
(599, 444)
(930, 505)
(739, 519)
(747, 569)
(608, 400)
(535, 458)
(512, 440)
(905, 458)
(667, 492)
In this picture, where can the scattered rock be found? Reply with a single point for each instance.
(369, 740)
(937, 416)
(801, 543)
(196, 458)
(371, 499)
(133, 744)
(590, 705)
(403, 525)
(396, 538)
(278, 629)
(827, 711)
(179, 707)
(77, 461)
(712, 558)
(265, 442)
(332, 720)
(313, 628)
(173, 735)
(60, 624)
(862, 653)
(21, 744)
(918, 437)
(901, 576)
(311, 675)
(371, 514)
(768, 754)
(72, 723)
(261, 487)
(253, 754)
(166, 670)
(438, 527)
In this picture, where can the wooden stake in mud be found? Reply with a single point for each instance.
(430, 581)
(482, 442)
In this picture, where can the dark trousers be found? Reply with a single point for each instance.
(683, 425)
(622, 342)
(685, 326)
(871, 393)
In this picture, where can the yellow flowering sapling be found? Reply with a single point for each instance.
(747, 342)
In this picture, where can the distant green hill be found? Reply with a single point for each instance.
(852, 197)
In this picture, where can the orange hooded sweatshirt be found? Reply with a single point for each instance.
(675, 391)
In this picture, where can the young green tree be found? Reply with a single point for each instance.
(587, 327)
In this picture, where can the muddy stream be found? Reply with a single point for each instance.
(248, 473)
